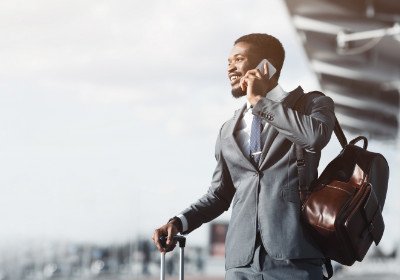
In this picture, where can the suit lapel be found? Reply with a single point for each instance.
(271, 132)
(231, 137)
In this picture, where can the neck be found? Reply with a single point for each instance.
(272, 85)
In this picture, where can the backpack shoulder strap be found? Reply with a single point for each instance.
(299, 106)
(337, 129)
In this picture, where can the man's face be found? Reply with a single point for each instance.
(242, 58)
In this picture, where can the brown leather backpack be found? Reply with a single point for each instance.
(343, 208)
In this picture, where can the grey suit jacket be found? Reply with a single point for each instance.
(267, 194)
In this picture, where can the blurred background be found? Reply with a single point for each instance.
(109, 107)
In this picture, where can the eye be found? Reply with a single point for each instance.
(236, 60)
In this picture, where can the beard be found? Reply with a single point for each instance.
(237, 92)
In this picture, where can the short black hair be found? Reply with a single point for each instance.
(268, 47)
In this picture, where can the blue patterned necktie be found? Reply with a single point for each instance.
(255, 139)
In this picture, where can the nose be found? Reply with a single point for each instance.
(231, 67)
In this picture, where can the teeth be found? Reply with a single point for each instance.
(234, 78)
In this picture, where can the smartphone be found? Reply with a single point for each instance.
(271, 68)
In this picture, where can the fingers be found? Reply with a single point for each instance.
(252, 75)
(170, 247)
(172, 231)
(243, 83)
(156, 239)
(266, 71)
(255, 73)
(170, 234)
(169, 231)
(249, 77)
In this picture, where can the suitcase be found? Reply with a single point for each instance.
(181, 240)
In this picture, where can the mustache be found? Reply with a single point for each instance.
(235, 74)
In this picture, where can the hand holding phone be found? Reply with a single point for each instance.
(259, 86)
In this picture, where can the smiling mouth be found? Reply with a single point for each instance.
(234, 78)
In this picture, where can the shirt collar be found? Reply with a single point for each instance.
(248, 105)
(277, 94)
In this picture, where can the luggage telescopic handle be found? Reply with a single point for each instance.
(182, 242)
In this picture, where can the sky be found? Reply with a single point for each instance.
(111, 110)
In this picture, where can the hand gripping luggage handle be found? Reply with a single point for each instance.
(178, 238)
(182, 243)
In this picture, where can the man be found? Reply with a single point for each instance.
(256, 169)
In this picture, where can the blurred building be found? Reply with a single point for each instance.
(218, 231)
(353, 47)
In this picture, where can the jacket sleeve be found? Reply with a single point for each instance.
(311, 130)
(217, 199)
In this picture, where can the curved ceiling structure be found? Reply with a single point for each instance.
(354, 48)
